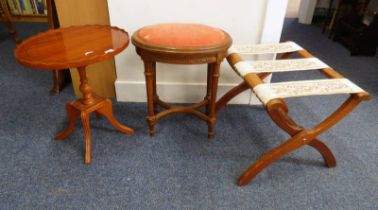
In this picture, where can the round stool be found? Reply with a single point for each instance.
(177, 43)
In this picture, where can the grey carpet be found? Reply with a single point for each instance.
(180, 168)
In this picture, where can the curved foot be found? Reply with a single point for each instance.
(107, 112)
(275, 154)
(327, 154)
(72, 114)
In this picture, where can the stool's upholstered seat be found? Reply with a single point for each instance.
(181, 35)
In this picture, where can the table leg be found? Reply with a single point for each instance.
(149, 71)
(87, 137)
(213, 97)
(89, 103)
(55, 89)
(60, 79)
(72, 114)
(85, 88)
(107, 111)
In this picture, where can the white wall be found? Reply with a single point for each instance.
(306, 11)
(293, 8)
(243, 20)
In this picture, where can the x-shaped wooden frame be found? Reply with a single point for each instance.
(278, 111)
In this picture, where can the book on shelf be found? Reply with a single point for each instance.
(28, 7)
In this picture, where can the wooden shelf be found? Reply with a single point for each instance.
(16, 12)
(29, 18)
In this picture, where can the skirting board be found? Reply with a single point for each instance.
(135, 91)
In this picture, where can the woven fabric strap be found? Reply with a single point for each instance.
(269, 91)
(301, 64)
(264, 48)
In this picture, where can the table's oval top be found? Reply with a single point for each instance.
(181, 38)
(73, 46)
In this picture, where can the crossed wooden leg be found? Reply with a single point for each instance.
(278, 112)
(277, 108)
(234, 92)
(322, 148)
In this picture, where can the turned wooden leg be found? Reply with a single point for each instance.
(87, 137)
(5, 16)
(87, 104)
(149, 71)
(327, 154)
(107, 111)
(213, 97)
(290, 145)
(60, 79)
(13, 33)
(210, 70)
(87, 99)
(55, 89)
(156, 97)
(72, 114)
(84, 87)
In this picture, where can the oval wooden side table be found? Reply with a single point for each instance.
(177, 43)
(77, 47)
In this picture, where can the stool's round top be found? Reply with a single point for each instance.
(181, 37)
(74, 46)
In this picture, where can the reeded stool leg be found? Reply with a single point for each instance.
(150, 69)
(213, 96)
